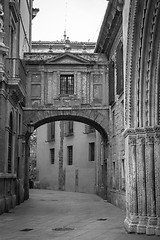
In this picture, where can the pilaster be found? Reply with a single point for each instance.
(157, 177)
(142, 176)
(141, 183)
(150, 183)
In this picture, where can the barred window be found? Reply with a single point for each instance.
(66, 84)
(52, 155)
(70, 155)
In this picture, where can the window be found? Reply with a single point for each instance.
(114, 175)
(10, 144)
(89, 129)
(122, 113)
(35, 90)
(68, 128)
(52, 155)
(91, 151)
(113, 122)
(119, 66)
(36, 78)
(67, 84)
(51, 131)
(111, 82)
(70, 155)
(123, 174)
(97, 88)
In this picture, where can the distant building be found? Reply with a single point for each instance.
(68, 156)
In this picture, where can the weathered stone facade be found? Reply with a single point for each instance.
(139, 21)
(116, 89)
(12, 94)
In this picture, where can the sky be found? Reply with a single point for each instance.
(82, 19)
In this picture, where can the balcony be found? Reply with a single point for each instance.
(15, 70)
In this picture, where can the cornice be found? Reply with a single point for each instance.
(142, 131)
(110, 26)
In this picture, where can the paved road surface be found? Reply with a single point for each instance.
(60, 215)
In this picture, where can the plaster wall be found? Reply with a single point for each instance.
(78, 177)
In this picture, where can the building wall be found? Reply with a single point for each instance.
(81, 175)
(12, 94)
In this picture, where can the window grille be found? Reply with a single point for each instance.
(70, 155)
(67, 84)
(52, 155)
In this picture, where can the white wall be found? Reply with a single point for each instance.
(82, 167)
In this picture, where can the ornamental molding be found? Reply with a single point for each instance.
(132, 140)
(157, 138)
(62, 58)
(149, 139)
(140, 139)
(129, 61)
(140, 22)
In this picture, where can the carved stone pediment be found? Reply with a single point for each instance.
(67, 58)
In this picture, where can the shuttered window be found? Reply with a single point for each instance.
(111, 82)
(119, 65)
(51, 131)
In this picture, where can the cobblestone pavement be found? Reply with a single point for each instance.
(65, 216)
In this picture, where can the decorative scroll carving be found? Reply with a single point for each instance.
(150, 139)
(132, 140)
(128, 80)
(140, 140)
(148, 71)
(139, 67)
(157, 138)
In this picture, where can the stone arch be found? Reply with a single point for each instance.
(97, 118)
(141, 64)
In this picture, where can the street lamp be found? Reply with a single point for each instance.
(30, 128)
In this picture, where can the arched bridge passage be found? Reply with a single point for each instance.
(98, 118)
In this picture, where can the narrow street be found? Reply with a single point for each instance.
(65, 216)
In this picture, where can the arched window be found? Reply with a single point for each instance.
(10, 143)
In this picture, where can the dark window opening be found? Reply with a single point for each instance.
(70, 155)
(51, 131)
(52, 155)
(119, 63)
(67, 84)
(10, 144)
(91, 151)
(69, 128)
(111, 82)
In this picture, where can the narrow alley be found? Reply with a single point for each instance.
(65, 216)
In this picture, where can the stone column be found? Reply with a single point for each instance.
(141, 184)
(150, 184)
(131, 184)
(133, 171)
(157, 179)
